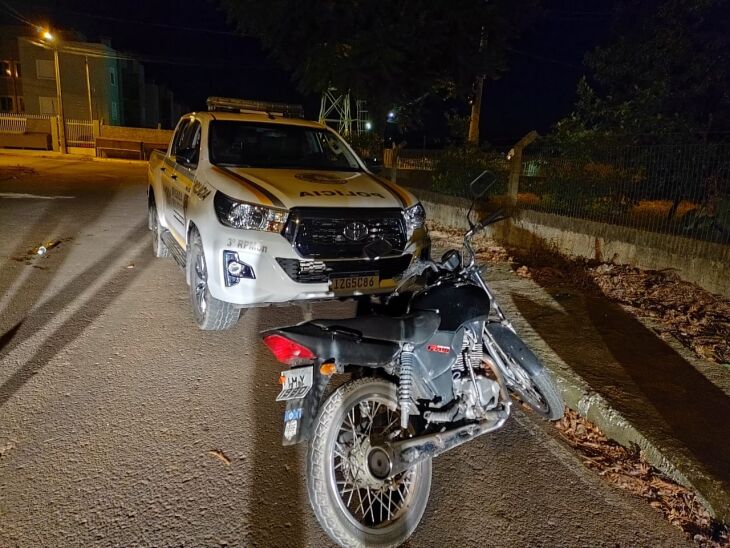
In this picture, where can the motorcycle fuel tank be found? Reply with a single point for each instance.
(456, 302)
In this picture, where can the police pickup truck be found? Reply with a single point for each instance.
(260, 207)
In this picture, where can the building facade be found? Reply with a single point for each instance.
(97, 82)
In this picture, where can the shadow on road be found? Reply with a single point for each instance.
(55, 220)
(279, 494)
(639, 374)
(82, 318)
(40, 316)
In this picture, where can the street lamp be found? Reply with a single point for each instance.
(48, 37)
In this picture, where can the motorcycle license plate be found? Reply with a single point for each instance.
(297, 383)
(355, 282)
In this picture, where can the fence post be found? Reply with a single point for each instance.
(515, 170)
(394, 163)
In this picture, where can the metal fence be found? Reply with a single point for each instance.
(80, 133)
(17, 123)
(682, 190)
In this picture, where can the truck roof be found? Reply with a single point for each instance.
(254, 117)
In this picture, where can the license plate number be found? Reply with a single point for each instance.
(355, 282)
(297, 383)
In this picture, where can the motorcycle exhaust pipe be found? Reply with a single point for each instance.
(406, 453)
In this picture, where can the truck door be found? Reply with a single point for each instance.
(186, 164)
(168, 178)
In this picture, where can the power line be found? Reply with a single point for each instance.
(16, 14)
(153, 24)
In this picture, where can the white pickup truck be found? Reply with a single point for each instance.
(260, 206)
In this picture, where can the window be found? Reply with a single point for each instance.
(7, 104)
(112, 77)
(284, 146)
(47, 105)
(6, 69)
(190, 141)
(178, 136)
(45, 70)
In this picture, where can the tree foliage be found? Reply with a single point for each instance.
(665, 77)
(386, 51)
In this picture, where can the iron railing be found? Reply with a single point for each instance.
(80, 133)
(17, 123)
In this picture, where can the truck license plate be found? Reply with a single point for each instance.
(355, 282)
(297, 383)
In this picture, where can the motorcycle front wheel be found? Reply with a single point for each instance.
(527, 378)
(352, 505)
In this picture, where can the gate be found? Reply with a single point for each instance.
(80, 133)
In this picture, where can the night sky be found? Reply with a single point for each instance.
(190, 47)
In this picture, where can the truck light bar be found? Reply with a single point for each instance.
(229, 104)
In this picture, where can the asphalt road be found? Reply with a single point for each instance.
(111, 402)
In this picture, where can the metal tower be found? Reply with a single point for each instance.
(335, 110)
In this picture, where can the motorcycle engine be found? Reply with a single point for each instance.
(476, 399)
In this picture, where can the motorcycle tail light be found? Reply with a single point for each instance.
(288, 351)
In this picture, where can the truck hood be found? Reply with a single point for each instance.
(310, 188)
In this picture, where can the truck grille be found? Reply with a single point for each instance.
(308, 271)
(323, 232)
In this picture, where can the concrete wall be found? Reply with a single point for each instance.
(703, 263)
(137, 133)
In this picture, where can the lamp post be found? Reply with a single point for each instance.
(48, 37)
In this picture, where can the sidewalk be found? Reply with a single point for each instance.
(9, 152)
(639, 389)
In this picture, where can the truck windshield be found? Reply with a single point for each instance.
(254, 144)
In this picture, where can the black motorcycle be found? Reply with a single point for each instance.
(420, 383)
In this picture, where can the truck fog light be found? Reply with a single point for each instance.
(234, 269)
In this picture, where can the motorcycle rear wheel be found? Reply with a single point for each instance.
(351, 505)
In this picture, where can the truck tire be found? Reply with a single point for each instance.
(209, 313)
(158, 246)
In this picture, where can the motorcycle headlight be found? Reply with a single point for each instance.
(247, 216)
(415, 217)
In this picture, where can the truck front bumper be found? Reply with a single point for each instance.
(271, 272)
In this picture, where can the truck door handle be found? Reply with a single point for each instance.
(173, 176)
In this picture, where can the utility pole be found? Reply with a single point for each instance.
(59, 100)
(88, 88)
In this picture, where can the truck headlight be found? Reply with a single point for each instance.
(247, 216)
(415, 217)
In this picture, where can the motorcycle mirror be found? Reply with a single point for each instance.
(483, 182)
(377, 249)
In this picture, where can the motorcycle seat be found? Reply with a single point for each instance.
(416, 328)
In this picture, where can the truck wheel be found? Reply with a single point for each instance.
(158, 246)
(209, 313)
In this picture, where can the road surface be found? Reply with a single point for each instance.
(113, 406)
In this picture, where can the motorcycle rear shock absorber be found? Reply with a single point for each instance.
(405, 384)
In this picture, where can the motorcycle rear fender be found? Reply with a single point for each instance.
(512, 345)
(345, 349)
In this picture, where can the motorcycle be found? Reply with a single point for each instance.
(420, 384)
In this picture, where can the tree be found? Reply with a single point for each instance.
(665, 77)
(390, 52)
